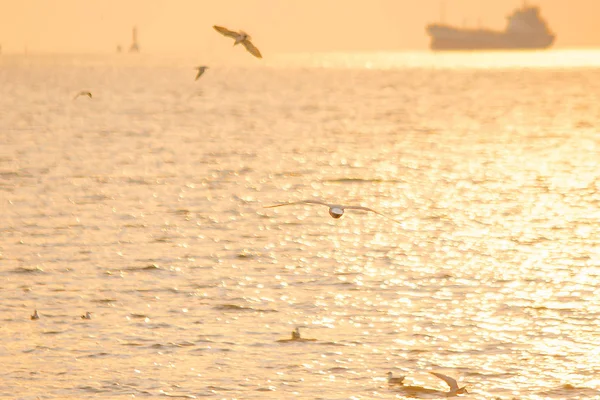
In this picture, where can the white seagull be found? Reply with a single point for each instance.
(83, 93)
(335, 210)
(240, 37)
(201, 70)
(395, 381)
(454, 389)
(87, 315)
(35, 315)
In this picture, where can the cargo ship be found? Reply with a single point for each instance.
(525, 29)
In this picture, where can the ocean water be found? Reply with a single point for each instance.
(145, 206)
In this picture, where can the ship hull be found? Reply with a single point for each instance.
(448, 38)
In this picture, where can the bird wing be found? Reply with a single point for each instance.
(226, 32)
(251, 48)
(200, 72)
(450, 381)
(298, 202)
(371, 210)
(83, 93)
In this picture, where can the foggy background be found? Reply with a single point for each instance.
(184, 26)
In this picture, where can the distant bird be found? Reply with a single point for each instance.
(296, 337)
(201, 70)
(240, 37)
(87, 315)
(454, 389)
(35, 315)
(395, 381)
(83, 93)
(335, 210)
(296, 333)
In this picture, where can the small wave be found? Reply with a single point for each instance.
(234, 307)
(175, 395)
(362, 180)
(149, 267)
(245, 255)
(332, 344)
(569, 391)
(103, 301)
(91, 389)
(28, 270)
(338, 369)
(97, 355)
(267, 389)
(140, 316)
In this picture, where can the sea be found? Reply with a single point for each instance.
(146, 206)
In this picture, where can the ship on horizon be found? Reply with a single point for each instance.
(525, 29)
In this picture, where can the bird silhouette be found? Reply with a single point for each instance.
(201, 69)
(83, 93)
(335, 210)
(239, 37)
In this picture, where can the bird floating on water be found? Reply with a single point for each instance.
(201, 69)
(335, 210)
(296, 337)
(87, 315)
(83, 93)
(240, 37)
(395, 381)
(296, 333)
(35, 315)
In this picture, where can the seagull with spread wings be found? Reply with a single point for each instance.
(239, 37)
(83, 93)
(454, 389)
(419, 391)
(335, 210)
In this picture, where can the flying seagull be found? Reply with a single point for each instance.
(240, 37)
(454, 389)
(335, 210)
(83, 93)
(201, 70)
(395, 381)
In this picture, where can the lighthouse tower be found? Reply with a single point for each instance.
(135, 47)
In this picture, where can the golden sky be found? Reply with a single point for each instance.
(185, 26)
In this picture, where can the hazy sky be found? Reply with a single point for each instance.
(185, 26)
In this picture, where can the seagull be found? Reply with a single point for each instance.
(240, 37)
(454, 389)
(395, 381)
(335, 210)
(83, 93)
(201, 70)
(296, 333)
(87, 315)
(35, 315)
(296, 337)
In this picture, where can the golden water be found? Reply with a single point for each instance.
(144, 205)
